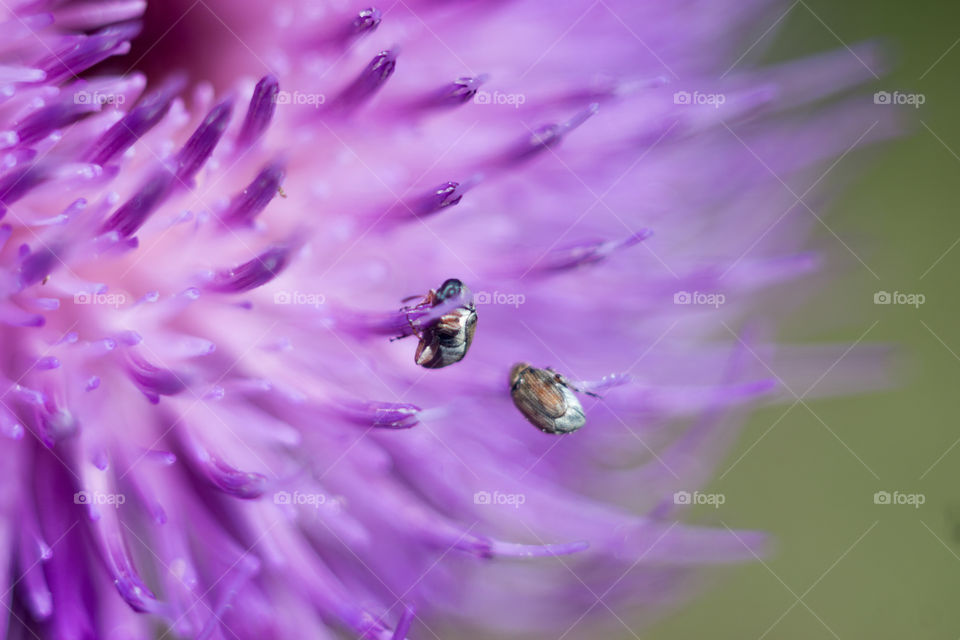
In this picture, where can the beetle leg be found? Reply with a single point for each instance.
(413, 328)
(559, 378)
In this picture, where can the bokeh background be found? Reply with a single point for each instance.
(847, 567)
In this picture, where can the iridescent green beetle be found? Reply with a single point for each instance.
(447, 340)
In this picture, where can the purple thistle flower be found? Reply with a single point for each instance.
(241, 397)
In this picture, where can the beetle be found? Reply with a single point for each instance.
(446, 341)
(546, 399)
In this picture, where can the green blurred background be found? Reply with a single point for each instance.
(844, 566)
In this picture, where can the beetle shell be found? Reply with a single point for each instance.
(447, 341)
(545, 399)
